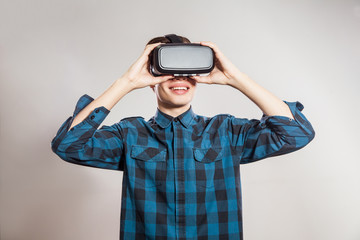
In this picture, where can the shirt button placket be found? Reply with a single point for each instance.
(179, 183)
(175, 179)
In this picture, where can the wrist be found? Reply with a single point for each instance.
(124, 83)
(237, 78)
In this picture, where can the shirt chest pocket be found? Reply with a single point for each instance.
(208, 166)
(147, 166)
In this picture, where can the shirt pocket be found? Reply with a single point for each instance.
(208, 165)
(149, 166)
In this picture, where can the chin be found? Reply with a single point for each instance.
(182, 102)
(177, 103)
(172, 100)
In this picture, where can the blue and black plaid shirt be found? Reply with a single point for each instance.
(181, 175)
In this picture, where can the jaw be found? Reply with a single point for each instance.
(175, 98)
(170, 99)
(173, 108)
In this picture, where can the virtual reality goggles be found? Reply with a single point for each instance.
(181, 59)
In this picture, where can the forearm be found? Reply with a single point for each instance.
(264, 99)
(108, 99)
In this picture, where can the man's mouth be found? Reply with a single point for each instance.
(179, 90)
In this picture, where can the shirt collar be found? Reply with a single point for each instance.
(164, 119)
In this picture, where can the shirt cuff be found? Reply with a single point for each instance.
(281, 124)
(294, 108)
(95, 118)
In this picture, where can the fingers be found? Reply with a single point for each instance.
(202, 79)
(145, 55)
(161, 79)
(150, 47)
(212, 45)
(195, 78)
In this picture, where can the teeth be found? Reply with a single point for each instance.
(179, 88)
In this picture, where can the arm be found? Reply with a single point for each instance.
(136, 77)
(226, 73)
(269, 103)
(80, 141)
(108, 99)
(86, 145)
(282, 128)
(271, 135)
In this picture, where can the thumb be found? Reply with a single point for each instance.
(201, 79)
(196, 77)
(161, 79)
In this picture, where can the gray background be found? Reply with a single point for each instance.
(52, 52)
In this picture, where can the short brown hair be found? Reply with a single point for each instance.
(163, 39)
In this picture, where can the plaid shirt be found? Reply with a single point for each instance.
(181, 175)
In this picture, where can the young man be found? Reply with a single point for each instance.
(181, 170)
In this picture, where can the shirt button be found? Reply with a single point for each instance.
(92, 117)
(175, 119)
(97, 110)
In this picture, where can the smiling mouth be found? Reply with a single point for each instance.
(179, 90)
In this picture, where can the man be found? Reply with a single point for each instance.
(181, 170)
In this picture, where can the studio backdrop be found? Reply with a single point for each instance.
(53, 52)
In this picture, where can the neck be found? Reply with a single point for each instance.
(174, 111)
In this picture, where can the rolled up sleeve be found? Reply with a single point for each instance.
(87, 145)
(271, 135)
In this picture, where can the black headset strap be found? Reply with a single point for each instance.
(173, 38)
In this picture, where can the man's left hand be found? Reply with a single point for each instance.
(224, 71)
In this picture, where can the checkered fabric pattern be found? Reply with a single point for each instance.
(181, 175)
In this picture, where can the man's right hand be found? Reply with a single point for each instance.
(138, 74)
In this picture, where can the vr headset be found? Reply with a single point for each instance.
(181, 59)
